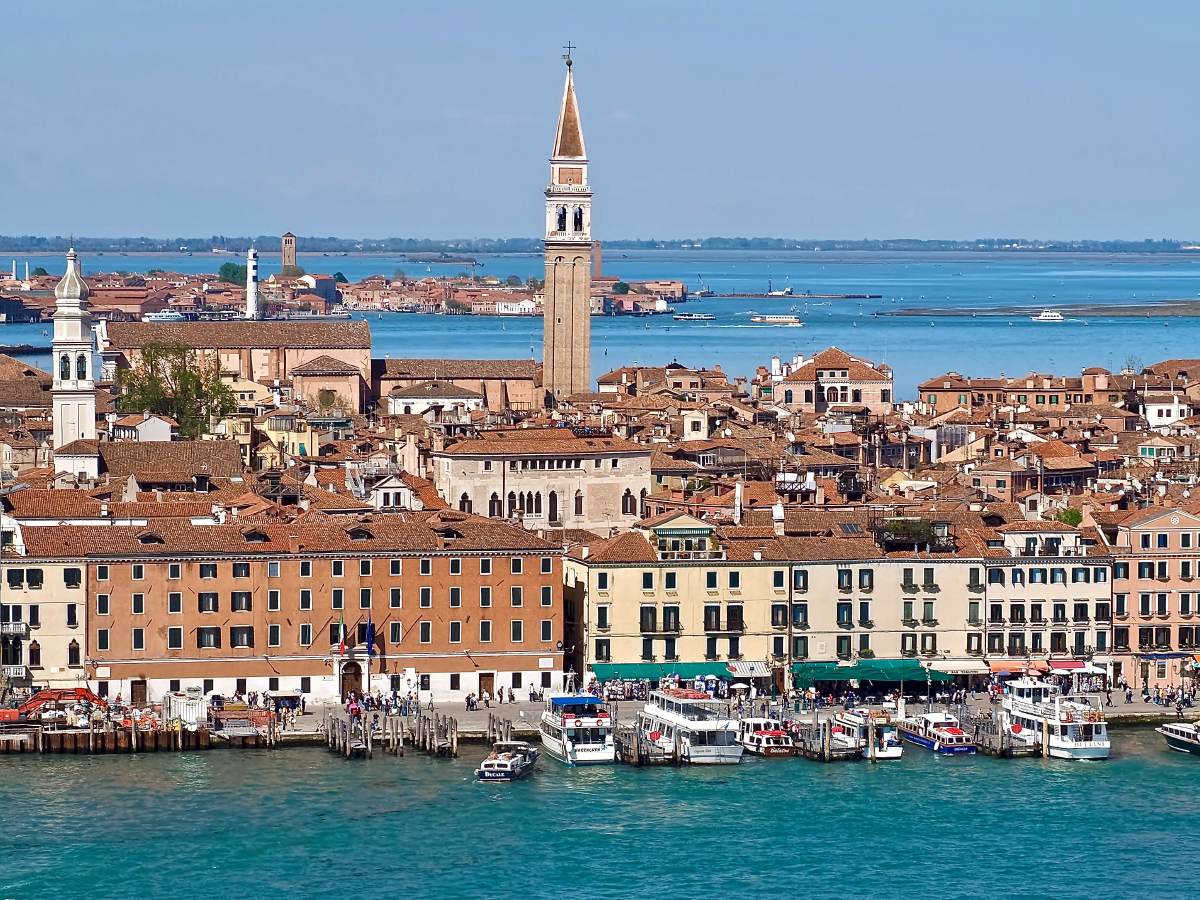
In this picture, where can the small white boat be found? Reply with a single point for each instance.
(856, 725)
(765, 737)
(936, 731)
(508, 761)
(694, 317)
(578, 730)
(1048, 315)
(166, 315)
(1181, 736)
(1074, 725)
(690, 726)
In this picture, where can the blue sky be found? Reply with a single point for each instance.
(854, 120)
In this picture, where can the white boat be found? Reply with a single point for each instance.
(765, 737)
(775, 320)
(1048, 315)
(855, 731)
(508, 761)
(1075, 725)
(694, 317)
(1181, 736)
(690, 726)
(578, 730)
(166, 315)
(936, 731)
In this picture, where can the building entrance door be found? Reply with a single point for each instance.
(351, 679)
(487, 682)
(137, 693)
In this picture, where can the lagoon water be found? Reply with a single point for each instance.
(305, 823)
(916, 347)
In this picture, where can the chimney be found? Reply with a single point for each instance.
(758, 554)
(777, 518)
(104, 510)
(293, 543)
(737, 503)
(585, 551)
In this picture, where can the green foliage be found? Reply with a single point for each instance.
(513, 281)
(399, 275)
(39, 271)
(292, 272)
(534, 283)
(232, 273)
(454, 306)
(340, 278)
(169, 380)
(157, 272)
(620, 288)
(1069, 516)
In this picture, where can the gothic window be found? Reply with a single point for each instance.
(81, 367)
(579, 503)
(562, 218)
(579, 218)
(643, 508)
(512, 503)
(537, 503)
(787, 396)
(464, 503)
(628, 504)
(494, 506)
(64, 368)
(831, 395)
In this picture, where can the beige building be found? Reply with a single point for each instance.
(566, 352)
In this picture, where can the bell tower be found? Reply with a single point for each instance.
(74, 387)
(567, 324)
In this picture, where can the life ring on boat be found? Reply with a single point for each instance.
(578, 723)
(1093, 717)
(1067, 716)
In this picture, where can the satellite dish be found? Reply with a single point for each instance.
(728, 433)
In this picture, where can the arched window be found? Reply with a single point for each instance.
(579, 503)
(73, 653)
(787, 396)
(512, 503)
(578, 218)
(494, 506)
(562, 218)
(537, 503)
(464, 503)
(81, 367)
(552, 503)
(64, 368)
(35, 654)
(831, 395)
(643, 507)
(521, 501)
(628, 504)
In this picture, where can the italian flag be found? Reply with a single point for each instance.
(342, 636)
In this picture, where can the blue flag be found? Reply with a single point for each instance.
(370, 637)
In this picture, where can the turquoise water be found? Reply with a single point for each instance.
(916, 348)
(304, 823)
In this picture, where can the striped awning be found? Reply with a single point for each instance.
(749, 669)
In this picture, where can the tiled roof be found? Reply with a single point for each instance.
(326, 365)
(241, 334)
(434, 390)
(126, 458)
(431, 369)
(556, 441)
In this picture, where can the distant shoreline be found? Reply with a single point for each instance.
(1156, 309)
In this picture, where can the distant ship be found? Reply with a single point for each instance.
(776, 320)
(694, 317)
(1048, 315)
(167, 315)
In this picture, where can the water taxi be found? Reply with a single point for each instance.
(856, 724)
(690, 726)
(775, 320)
(1181, 736)
(936, 731)
(1075, 725)
(508, 761)
(1048, 315)
(578, 730)
(694, 317)
(765, 737)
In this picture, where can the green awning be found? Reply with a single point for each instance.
(658, 671)
(865, 670)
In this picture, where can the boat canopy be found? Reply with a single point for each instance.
(866, 670)
(581, 700)
(657, 671)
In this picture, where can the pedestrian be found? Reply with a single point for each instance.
(487, 699)
(1128, 694)
(1108, 697)
(1179, 709)
(510, 696)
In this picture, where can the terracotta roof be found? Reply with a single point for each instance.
(126, 458)
(433, 369)
(435, 390)
(326, 365)
(241, 334)
(551, 441)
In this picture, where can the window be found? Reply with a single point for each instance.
(845, 614)
(306, 568)
(364, 598)
(339, 568)
(139, 604)
(175, 602)
(485, 631)
(517, 634)
(175, 638)
(395, 632)
(547, 595)
(273, 570)
(1185, 568)
(339, 598)
(241, 636)
(1145, 542)
(207, 601)
(364, 567)
(1185, 605)
(929, 643)
(239, 601)
(456, 632)
(547, 565)
(1163, 542)
(515, 596)
(1100, 576)
(273, 635)
(1185, 540)
(800, 579)
(102, 639)
(1037, 576)
(710, 581)
(547, 631)
(426, 597)
(515, 565)
(1145, 570)
(306, 599)
(1121, 601)
(102, 604)
(602, 581)
(426, 632)
(208, 637)
(927, 617)
(208, 570)
(995, 576)
(843, 646)
(864, 613)
(1058, 576)
(72, 578)
(603, 650)
(1161, 605)
(485, 566)
(306, 638)
(241, 570)
(394, 568)
(1162, 570)
(866, 579)
(273, 601)
(1120, 570)
(139, 573)
(102, 572)
(1081, 576)
(845, 579)
(647, 581)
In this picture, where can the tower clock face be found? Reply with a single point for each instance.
(570, 176)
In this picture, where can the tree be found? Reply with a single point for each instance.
(39, 271)
(232, 273)
(398, 275)
(1069, 516)
(533, 282)
(169, 380)
(513, 281)
(620, 288)
(156, 272)
(340, 278)
(292, 272)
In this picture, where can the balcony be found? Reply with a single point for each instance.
(691, 554)
(1014, 650)
(975, 587)
(20, 629)
(909, 588)
(974, 623)
(1081, 620)
(995, 621)
(908, 651)
(909, 623)
(730, 627)
(929, 623)
(1060, 620)
(845, 623)
(16, 673)
(866, 623)
(930, 587)
(1037, 621)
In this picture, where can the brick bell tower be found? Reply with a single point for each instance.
(567, 347)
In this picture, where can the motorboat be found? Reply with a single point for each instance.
(1181, 736)
(765, 737)
(936, 731)
(694, 317)
(689, 726)
(858, 727)
(578, 730)
(1048, 315)
(508, 761)
(166, 315)
(1038, 711)
(775, 320)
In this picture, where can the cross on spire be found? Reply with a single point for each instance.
(567, 55)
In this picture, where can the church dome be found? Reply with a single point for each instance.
(72, 285)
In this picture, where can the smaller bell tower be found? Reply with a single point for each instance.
(74, 387)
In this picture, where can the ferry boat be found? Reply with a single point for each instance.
(936, 731)
(1048, 315)
(578, 730)
(694, 317)
(775, 320)
(508, 761)
(166, 315)
(690, 726)
(1075, 725)
(855, 725)
(1181, 736)
(765, 737)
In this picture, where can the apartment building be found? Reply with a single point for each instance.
(42, 611)
(447, 604)
(1155, 629)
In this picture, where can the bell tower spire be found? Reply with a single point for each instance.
(566, 357)
(74, 387)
